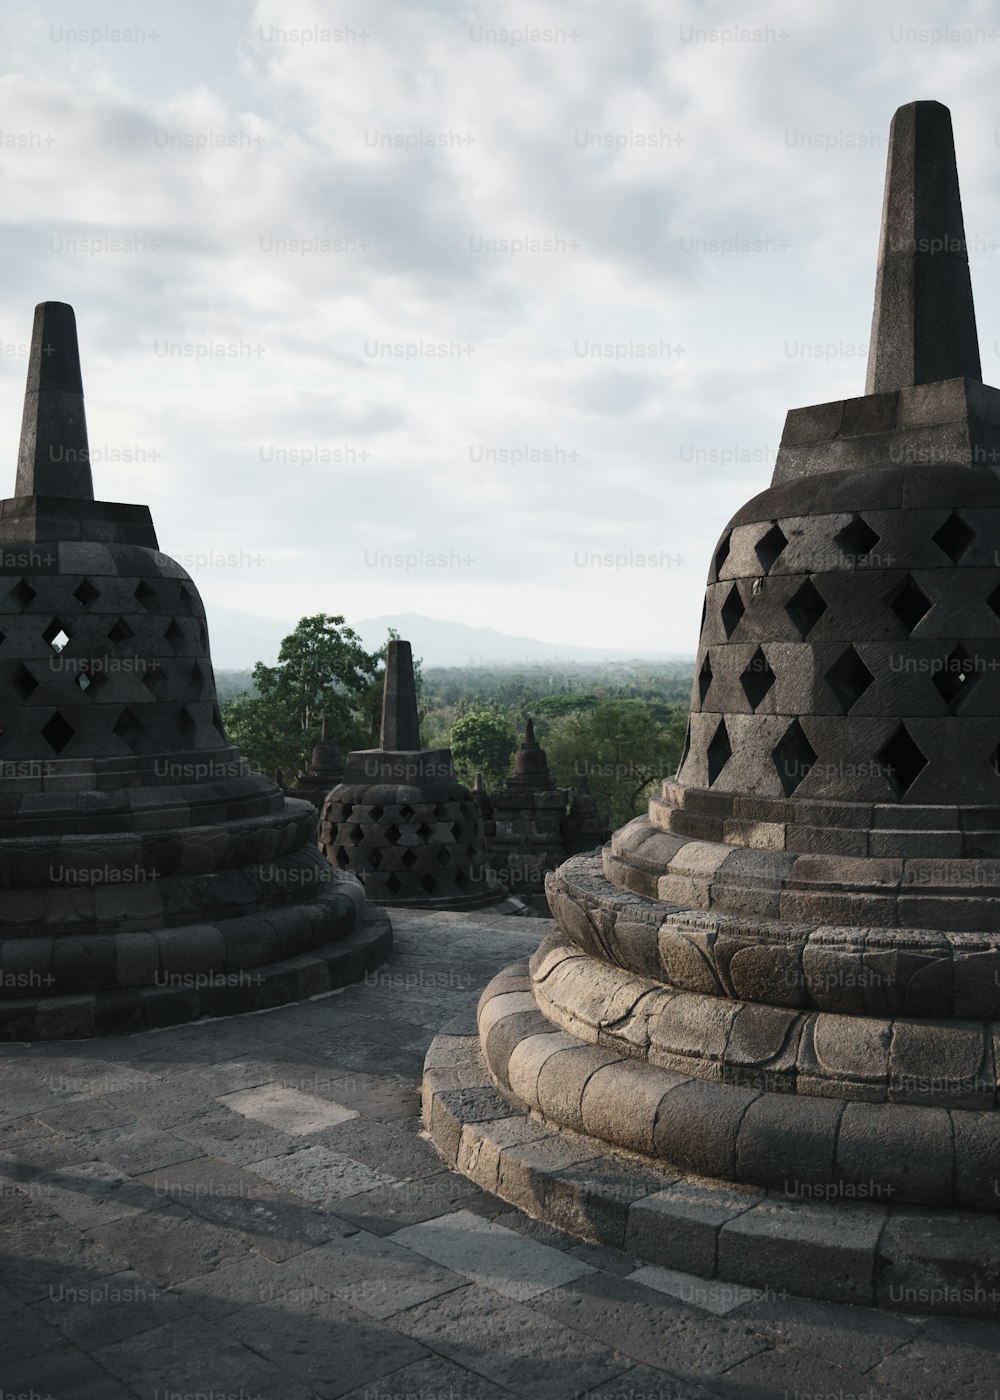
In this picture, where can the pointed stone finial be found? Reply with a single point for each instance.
(54, 458)
(478, 785)
(400, 725)
(530, 742)
(324, 734)
(924, 323)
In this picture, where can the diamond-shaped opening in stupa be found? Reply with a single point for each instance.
(757, 678)
(793, 757)
(902, 761)
(957, 678)
(849, 678)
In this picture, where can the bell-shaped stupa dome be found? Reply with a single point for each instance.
(147, 874)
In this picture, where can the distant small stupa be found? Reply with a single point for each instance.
(400, 820)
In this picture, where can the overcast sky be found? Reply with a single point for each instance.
(268, 216)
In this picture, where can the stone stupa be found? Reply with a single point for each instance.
(400, 819)
(528, 813)
(778, 992)
(325, 771)
(147, 874)
(583, 827)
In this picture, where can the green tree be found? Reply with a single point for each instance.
(624, 747)
(482, 741)
(322, 669)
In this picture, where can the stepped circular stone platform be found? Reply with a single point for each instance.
(147, 874)
(582, 1162)
(785, 977)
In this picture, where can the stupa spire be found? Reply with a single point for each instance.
(400, 724)
(924, 322)
(54, 458)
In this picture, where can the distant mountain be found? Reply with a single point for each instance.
(239, 640)
(442, 643)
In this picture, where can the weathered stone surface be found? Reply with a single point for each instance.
(144, 858)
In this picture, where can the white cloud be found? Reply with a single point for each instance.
(414, 146)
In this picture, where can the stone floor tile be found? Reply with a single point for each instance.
(222, 1133)
(651, 1327)
(320, 1175)
(647, 1383)
(374, 1274)
(194, 1356)
(429, 1380)
(66, 1374)
(93, 1193)
(612, 1261)
(110, 1309)
(41, 1251)
(273, 1221)
(136, 1148)
(326, 1345)
(26, 1331)
(540, 1231)
(400, 1203)
(786, 1371)
(950, 1357)
(492, 1256)
(513, 1345)
(244, 1283)
(288, 1110)
(170, 1244)
(850, 1336)
(711, 1295)
(385, 1147)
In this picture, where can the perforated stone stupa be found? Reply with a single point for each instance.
(528, 813)
(147, 875)
(400, 819)
(325, 771)
(784, 979)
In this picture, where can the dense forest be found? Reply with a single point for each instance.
(619, 725)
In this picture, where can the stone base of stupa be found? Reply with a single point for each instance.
(502, 1121)
(171, 921)
(209, 992)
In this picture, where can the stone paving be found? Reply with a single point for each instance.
(246, 1209)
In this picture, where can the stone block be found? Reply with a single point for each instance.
(697, 1127)
(679, 1227)
(525, 1171)
(620, 1103)
(83, 963)
(691, 1033)
(892, 1153)
(594, 1197)
(453, 1109)
(562, 1080)
(137, 959)
(482, 1146)
(505, 1035)
(931, 1261)
(977, 1160)
(528, 1058)
(197, 948)
(787, 1143)
(946, 1062)
(813, 424)
(816, 1251)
